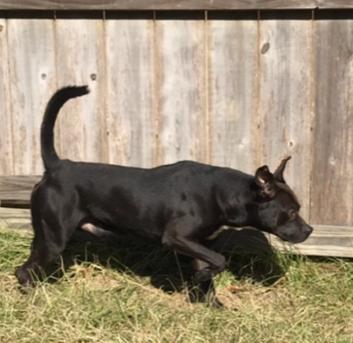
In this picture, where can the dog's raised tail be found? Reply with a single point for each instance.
(49, 155)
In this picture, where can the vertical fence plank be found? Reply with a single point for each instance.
(32, 80)
(80, 61)
(233, 71)
(285, 103)
(6, 161)
(332, 182)
(130, 117)
(181, 92)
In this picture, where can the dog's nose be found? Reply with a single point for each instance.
(308, 229)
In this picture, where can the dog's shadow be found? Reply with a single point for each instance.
(247, 251)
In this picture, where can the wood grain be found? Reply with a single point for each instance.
(181, 90)
(130, 116)
(171, 4)
(232, 98)
(332, 183)
(17, 187)
(31, 56)
(6, 149)
(335, 241)
(324, 241)
(285, 100)
(228, 90)
(80, 61)
(14, 218)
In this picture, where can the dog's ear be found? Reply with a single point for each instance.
(265, 180)
(263, 176)
(278, 174)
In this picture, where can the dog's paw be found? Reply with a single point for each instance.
(24, 277)
(204, 292)
(203, 275)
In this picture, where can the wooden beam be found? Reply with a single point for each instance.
(326, 240)
(334, 4)
(334, 241)
(16, 189)
(172, 4)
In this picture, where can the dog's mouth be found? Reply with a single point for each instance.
(294, 240)
(297, 237)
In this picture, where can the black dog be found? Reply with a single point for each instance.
(180, 204)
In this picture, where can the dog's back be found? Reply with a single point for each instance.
(139, 199)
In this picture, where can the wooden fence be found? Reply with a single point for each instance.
(233, 88)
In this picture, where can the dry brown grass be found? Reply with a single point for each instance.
(116, 296)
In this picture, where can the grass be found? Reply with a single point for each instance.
(136, 293)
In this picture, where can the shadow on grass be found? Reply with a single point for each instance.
(247, 251)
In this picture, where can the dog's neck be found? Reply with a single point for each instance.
(239, 207)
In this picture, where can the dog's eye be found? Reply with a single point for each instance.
(292, 214)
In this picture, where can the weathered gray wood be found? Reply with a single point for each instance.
(324, 241)
(285, 100)
(332, 181)
(15, 218)
(343, 4)
(80, 60)
(171, 4)
(181, 93)
(336, 241)
(32, 81)
(6, 153)
(130, 106)
(175, 89)
(232, 93)
(17, 187)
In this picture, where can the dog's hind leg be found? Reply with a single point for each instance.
(51, 234)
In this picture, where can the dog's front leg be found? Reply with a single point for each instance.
(203, 289)
(178, 238)
(206, 262)
(202, 271)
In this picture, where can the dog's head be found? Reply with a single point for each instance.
(277, 211)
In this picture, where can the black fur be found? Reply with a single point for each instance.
(179, 204)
